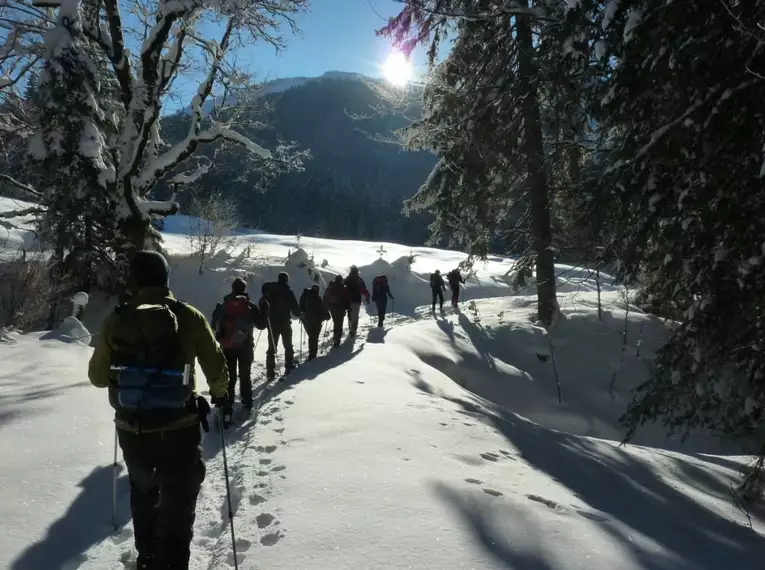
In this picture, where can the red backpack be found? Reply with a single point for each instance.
(236, 323)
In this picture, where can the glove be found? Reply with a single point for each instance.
(264, 305)
(219, 401)
(302, 316)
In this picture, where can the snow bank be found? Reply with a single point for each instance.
(71, 330)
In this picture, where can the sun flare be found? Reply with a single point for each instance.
(397, 69)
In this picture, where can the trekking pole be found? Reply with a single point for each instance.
(114, 483)
(256, 342)
(228, 491)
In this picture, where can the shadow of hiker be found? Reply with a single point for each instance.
(377, 335)
(610, 480)
(86, 522)
(483, 521)
(448, 328)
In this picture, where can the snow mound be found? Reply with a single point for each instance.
(71, 330)
(492, 349)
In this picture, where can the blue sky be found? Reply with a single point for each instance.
(337, 35)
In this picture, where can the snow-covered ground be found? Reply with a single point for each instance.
(434, 443)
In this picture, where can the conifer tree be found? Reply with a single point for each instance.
(492, 111)
(687, 195)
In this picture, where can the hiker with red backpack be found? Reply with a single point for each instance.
(234, 320)
(314, 312)
(380, 294)
(337, 301)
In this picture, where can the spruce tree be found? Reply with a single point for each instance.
(489, 115)
(69, 154)
(687, 195)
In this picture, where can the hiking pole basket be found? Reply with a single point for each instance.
(228, 489)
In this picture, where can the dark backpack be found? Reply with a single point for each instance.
(236, 324)
(150, 384)
(435, 282)
(379, 286)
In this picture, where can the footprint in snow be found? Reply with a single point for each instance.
(266, 449)
(467, 424)
(289, 402)
(279, 418)
(261, 473)
(265, 519)
(242, 545)
(443, 424)
(271, 539)
(359, 382)
(473, 481)
(278, 468)
(490, 456)
(265, 422)
(492, 492)
(279, 430)
(230, 557)
(547, 503)
(265, 461)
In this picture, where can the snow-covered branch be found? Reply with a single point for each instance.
(20, 185)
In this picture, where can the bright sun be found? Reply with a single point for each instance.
(397, 69)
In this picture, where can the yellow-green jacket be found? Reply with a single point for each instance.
(197, 342)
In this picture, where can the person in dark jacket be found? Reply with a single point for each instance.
(437, 287)
(282, 307)
(380, 294)
(455, 278)
(161, 443)
(338, 303)
(314, 313)
(356, 289)
(234, 320)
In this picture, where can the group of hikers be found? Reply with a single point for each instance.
(145, 355)
(437, 286)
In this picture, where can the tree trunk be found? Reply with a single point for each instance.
(540, 201)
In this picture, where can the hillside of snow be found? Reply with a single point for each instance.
(437, 442)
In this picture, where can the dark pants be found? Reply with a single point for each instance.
(338, 316)
(455, 293)
(438, 293)
(166, 472)
(382, 307)
(313, 331)
(283, 331)
(241, 359)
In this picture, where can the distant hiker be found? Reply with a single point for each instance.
(380, 294)
(338, 303)
(314, 312)
(234, 320)
(356, 288)
(145, 356)
(283, 305)
(437, 287)
(455, 278)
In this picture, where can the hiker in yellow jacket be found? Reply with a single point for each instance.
(145, 356)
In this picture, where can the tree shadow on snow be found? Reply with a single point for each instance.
(492, 531)
(86, 522)
(617, 487)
